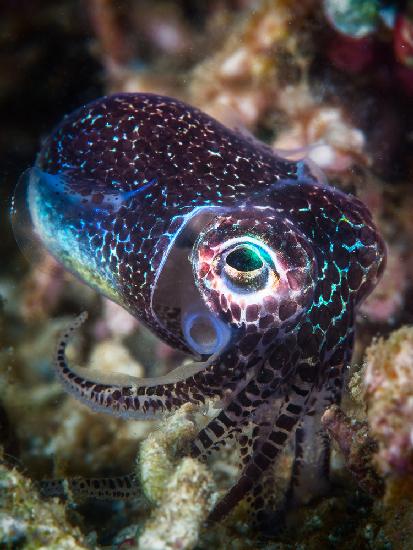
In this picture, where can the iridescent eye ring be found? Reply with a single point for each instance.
(247, 267)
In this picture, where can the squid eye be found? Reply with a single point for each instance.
(244, 259)
(246, 268)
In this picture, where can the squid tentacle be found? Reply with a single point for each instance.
(268, 440)
(311, 468)
(214, 434)
(310, 473)
(230, 421)
(233, 419)
(129, 396)
(113, 488)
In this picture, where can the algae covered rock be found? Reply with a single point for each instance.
(188, 498)
(182, 488)
(26, 521)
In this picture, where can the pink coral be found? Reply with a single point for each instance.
(389, 396)
(357, 447)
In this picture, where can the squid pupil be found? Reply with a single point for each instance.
(244, 259)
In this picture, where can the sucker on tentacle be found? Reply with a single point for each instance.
(249, 262)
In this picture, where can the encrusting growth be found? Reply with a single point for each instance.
(182, 488)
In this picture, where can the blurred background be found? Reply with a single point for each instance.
(331, 78)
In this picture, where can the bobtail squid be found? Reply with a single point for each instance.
(247, 261)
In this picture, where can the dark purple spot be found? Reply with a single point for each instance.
(304, 334)
(287, 309)
(278, 437)
(367, 235)
(286, 422)
(354, 276)
(270, 304)
(279, 357)
(236, 311)
(266, 321)
(252, 312)
(366, 256)
(249, 343)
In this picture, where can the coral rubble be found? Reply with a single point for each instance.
(183, 489)
(389, 398)
(26, 521)
(357, 446)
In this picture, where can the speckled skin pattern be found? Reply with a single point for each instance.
(276, 258)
